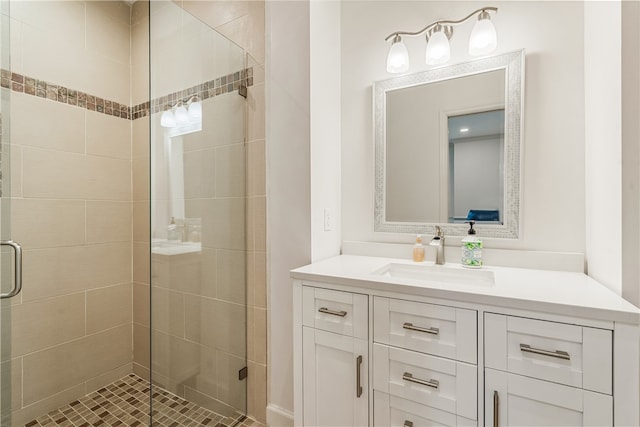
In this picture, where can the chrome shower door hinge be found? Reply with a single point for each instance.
(242, 373)
(242, 90)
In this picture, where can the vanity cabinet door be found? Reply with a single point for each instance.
(515, 400)
(335, 379)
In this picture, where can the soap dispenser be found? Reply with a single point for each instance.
(418, 249)
(471, 249)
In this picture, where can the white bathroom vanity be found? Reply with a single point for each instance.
(388, 342)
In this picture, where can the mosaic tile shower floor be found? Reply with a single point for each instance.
(124, 403)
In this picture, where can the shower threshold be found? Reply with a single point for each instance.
(126, 403)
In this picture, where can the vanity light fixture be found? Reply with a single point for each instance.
(483, 40)
(182, 113)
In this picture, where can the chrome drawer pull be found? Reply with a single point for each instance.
(408, 423)
(431, 383)
(358, 378)
(325, 310)
(432, 331)
(496, 409)
(557, 354)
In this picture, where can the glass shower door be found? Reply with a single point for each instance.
(198, 199)
(10, 252)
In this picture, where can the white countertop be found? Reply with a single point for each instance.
(563, 293)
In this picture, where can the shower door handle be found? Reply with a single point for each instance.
(17, 285)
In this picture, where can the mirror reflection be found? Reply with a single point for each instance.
(447, 146)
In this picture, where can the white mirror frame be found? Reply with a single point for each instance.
(513, 64)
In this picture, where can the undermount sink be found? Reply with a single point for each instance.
(437, 274)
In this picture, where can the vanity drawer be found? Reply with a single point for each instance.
(567, 354)
(435, 329)
(393, 411)
(433, 381)
(344, 313)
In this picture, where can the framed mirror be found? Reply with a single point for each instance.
(447, 148)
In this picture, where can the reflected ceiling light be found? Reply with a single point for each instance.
(183, 113)
(483, 40)
(464, 130)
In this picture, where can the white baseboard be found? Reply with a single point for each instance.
(279, 417)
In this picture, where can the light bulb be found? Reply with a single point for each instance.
(483, 38)
(195, 110)
(438, 49)
(167, 120)
(182, 117)
(398, 57)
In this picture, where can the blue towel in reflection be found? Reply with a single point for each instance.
(483, 215)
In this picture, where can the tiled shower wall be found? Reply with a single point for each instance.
(71, 202)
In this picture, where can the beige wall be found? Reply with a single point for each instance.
(71, 205)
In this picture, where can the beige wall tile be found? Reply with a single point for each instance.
(199, 175)
(13, 387)
(231, 281)
(48, 223)
(41, 324)
(260, 280)
(14, 152)
(60, 127)
(54, 174)
(217, 13)
(141, 260)
(141, 345)
(100, 381)
(60, 398)
(107, 34)
(216, 324)
(15, 35)
(57, 271)
(105, 77)
(140, 138)
(139, 11)
(167, 312)
(108, 222)
(118, 10)
(231, 390)
(109, 307)
(108, 179)
(49, 14)
(140, 175)
(141, 304)
(141, 221)
(49, 371)
(259, 341)
(209, 272)
(141, 371)
(108, 136)
(230, 171)
(185, 273)
(256, 168)
(257, 392)
(223, 223)
(256, 112)
(260, 223)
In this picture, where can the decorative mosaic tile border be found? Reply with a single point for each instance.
(126, 403)
(43, 89)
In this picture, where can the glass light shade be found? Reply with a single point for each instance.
(398, 57)
(182, 117)
(167, 120)
(438, 49)
(483, 38)
(195, 110)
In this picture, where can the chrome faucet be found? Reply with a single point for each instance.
(438, 242)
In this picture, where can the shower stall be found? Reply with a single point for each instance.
(123, 216)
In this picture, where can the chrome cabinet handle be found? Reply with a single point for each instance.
(557, 353)
(17, 286)
(430, 383)
(325, 310)
(408, 423)
(432, 331)
(496, 409)
(358, 379)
